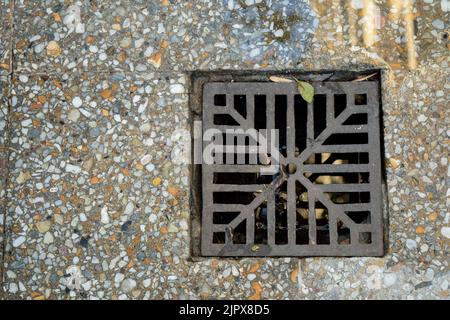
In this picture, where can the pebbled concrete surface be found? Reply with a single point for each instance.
(93, 206)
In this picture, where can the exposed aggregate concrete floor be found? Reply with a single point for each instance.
(91, 92)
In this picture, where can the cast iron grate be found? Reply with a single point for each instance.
(324, 198)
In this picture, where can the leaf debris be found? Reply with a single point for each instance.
(306, 90)
(280, 79)
(365, 77)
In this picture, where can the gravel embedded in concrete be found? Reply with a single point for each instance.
(95, 207)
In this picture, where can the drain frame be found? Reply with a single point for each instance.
(323, 80)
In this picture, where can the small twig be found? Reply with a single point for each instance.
(366, 77)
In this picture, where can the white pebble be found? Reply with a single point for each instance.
(411, 244)
(117, 118)
(39, 47)
(227, 272)
(22, 287)
(421, 118)
(445, 5)
(148, 52)
(279, 33)
(146, 283)
(183, 225)
(176, 88)
(128, 285)
(18, 241)
(146, 159)
(254, 53)
(389, 279)
(73, 115)
(23, 78)
(104, 215)
(145, 127)
(48, 238)
(138, 43)
(119, 277)
(152, 218)
(87, 285)
(446, 232)
(72, 169)
(251, 276)
(357, 4)
(129, 208)
(438, 24)
(13, 288)
(76, 101)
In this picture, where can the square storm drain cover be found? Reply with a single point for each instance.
(284, 177)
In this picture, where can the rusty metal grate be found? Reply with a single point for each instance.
(324, 198)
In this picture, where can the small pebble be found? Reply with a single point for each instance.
(128, 285)
(411, 244)
(76, 102)
(446, 232)
(176, 89)
(74, 115)
(18, 241)
(104, 215)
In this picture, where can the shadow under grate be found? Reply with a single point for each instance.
(323, 199)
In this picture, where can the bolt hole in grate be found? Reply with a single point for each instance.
(324, 198)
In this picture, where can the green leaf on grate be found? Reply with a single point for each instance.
(306, 90)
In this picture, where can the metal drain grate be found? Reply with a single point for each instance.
(322, 197)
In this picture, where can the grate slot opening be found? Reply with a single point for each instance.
(348, 197)
(340, 103)
(281, 121)
(260, 112)
(365, 237)
(224, 217)
(219, 237)
(338, 178)
(220, 100)
(360, 99)
(347, 138)
(302, 214)
(343, 233)
(224, 120)
(319, 113)
(241, 178)
(355, 119)
(240, 105)
(235, 197)
(301, 119)
(322, 223)
(240, 234)
(261, 224)
(281, 220)
(359, 217)
(338, 158)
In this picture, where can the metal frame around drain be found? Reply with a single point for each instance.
(315, 191)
